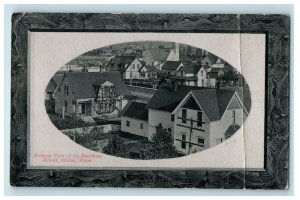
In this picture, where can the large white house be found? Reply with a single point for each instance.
(197, 118)
(205, 118)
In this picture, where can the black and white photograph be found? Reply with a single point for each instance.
(148, 100)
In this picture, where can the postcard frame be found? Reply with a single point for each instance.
(277, 30)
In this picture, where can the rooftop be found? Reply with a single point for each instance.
(171, 65)
(81, 83)
(135, 110)
(166, 99)
(213, 101)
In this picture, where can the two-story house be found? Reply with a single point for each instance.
(128, 66)
(90, 93)
(161, 105)
(205, 118)
(171, 67)
(208, 76)
(187, 75)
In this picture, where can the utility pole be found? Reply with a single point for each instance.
(191, 128)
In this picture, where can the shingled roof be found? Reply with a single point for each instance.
(135, 110)
(53, 83)
(81, 83)
(122, 60)
(166, 99)
(171, 65)
(213, 101)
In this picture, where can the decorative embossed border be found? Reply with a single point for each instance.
(277, 29)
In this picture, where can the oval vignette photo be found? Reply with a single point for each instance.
(148, 100)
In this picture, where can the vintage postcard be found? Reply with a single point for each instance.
(150, 100)
(146, 100)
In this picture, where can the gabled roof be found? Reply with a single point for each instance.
(81, 83)
(171, 65)
(122, 60)
(166, 99)
(53, 83)
(135, 110)
(192, 69)
(159, 54)
(213, 101)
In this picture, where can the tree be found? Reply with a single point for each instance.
(161, 146)
(116, 147)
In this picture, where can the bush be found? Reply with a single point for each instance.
(68, 122)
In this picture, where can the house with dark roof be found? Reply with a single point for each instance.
(90, 93)
(205, 118)
(162, 104)
(171, 67)
(209, 77)
(134, 119)
(127, 65)
(148, 71)
(187, 75)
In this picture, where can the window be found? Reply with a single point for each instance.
(141, 126)
(202, 82)
(66, 104)
(59, 89)
(199, 119)
(233, 116)
(138, 66)
(133, 66)
(183, 141)
(128, 123)
(172, 118)
(200, 140)
(66, 90)
(183, 115)
(201, 73)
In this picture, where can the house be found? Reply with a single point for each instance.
(162, 104)
(148, 71)
(205, 118)
(171, 67)
(134, 119)
(158, 56)
(90, 93)
(128, 66)
(208, 77)
(187, 75)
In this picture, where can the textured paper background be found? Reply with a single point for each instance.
(49, 51)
